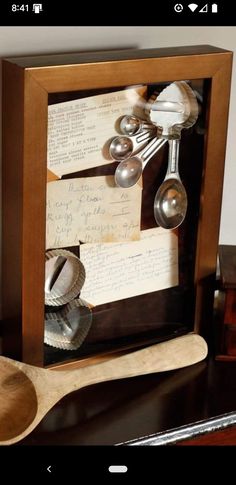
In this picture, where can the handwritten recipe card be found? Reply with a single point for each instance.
(78, 130)
(122, 270)
(91, 209)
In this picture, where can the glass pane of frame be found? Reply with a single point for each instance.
(120, 256)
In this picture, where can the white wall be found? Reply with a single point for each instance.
(40, 40)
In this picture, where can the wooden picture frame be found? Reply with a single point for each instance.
(27, 83)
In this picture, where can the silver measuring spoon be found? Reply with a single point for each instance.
(170, 204)
(122, 147)
(131, 125)
(130, 170)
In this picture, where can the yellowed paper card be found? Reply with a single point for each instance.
(91, 209)
(78, 130)
(122, 270)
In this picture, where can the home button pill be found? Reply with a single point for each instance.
(118, 469)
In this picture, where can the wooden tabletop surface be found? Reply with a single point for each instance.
(144, 408)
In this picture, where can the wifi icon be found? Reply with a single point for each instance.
(193, 6)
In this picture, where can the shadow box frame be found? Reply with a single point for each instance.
(27, 83)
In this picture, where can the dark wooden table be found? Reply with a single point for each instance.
(196, 405)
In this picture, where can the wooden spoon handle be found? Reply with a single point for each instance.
(173, 354)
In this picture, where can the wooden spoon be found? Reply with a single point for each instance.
(27, 393)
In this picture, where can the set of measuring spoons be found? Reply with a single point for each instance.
(174, 109)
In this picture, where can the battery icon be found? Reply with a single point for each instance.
(214, 8)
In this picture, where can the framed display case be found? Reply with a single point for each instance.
(134, 282)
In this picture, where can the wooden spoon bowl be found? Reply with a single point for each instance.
(18, 401)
